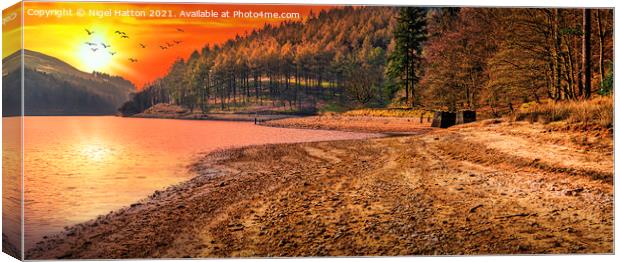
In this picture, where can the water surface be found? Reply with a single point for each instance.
(11, 185)
(77, 168)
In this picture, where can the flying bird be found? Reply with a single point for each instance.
(169, 44)
(112, 53)
(180, 30)
(163, 47)
(124, 36)
(119, 32)
(177, 42)
(94, 49)
(142, 45)
(89, 32)
(105, 46)
(90, 44)
(133, 60)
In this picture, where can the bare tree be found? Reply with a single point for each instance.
(587, 52)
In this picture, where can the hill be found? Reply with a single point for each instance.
(335, 56)
(53, 87)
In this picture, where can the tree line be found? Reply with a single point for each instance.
(499, 58)
(449, 58)
(336, 55)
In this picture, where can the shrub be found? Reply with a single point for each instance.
(332, 107)
(597, 112)
(607, 86)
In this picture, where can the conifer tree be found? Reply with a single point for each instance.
(409, 34)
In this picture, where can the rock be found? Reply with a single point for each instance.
(473, 209)
(574, 192)
(238, 228)
(282, 242)
(523, 248)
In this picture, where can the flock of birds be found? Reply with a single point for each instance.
(95, 46)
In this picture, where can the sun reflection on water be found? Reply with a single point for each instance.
(96, 152)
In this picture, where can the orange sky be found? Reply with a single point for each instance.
(65, 37)
(11, 29)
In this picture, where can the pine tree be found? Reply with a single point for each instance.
(409, 34)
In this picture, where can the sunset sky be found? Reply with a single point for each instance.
(59, 30)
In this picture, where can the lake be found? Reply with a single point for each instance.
(77, 168)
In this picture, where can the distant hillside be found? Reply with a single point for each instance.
(53, 87)
(337, 56)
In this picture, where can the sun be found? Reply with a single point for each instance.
(93, 55)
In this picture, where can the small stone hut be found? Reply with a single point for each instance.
(443, 119)
(465, 116)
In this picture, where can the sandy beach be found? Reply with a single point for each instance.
(494, 187)
(368, 124)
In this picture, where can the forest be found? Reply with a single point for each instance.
(488, 59)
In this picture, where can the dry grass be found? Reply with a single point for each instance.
(365, 124)
(597, 113)
(388, 112)
(164, 108)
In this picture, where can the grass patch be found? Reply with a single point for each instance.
(388, 112)
(595, 113)
(332, 107)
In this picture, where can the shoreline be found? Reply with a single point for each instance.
(217, 117)
(225, 135)
(169, 111)
(260, 193)
(361, 124)
(335, 122)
